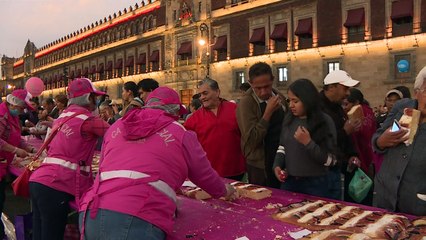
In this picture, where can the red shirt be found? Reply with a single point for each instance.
(220, 137)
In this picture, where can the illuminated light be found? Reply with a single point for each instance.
(202, 42)
(9, 86)
(88, 34)
(18, 63)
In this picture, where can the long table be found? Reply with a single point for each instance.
(218, 219)
(252, 219)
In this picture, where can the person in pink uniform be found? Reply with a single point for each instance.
(66, 171)
(11, 142)
(145, 158)
(214, 123)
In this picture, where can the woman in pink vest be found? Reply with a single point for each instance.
(66, 171)
(146, 157)
(11, 142)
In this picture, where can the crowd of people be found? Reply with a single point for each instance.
(302, 141)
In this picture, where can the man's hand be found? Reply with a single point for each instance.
(21, 153)
(392, 139)
(352, 126)
(273, 104)
(231, 193)
(353, 163)
(115, 108)
(280, 174)
(302, 135)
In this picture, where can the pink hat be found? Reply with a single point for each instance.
(80, 86)
(166, 96)
(20, 97)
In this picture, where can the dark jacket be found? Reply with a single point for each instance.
(403, 172)
(344, 143)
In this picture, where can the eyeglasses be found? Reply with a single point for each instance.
(422, 91)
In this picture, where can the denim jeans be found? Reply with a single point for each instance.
(316, 186)
(335, 184)
(111, 225)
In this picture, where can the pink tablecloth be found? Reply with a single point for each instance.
(218, 219)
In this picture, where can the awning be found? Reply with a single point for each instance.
(86, 72)
(304, 27)
(155, 56)
(280, 32)
(118, 63)
(142, 59)
(92, 69)
(100, 68)
(258, 36)
(130, 61)
(402, 8)
(185, 48)
(109, 66)
(221, 43)
(355, 18)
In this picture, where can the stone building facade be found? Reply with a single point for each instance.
(298, 38)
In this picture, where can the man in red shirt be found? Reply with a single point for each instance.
(217, 130)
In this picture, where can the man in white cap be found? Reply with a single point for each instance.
(335, 90)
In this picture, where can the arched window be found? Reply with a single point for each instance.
(150, 23)
(117, 35)
(144, 25)
(147, 25)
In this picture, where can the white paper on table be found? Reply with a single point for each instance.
(299, 234)
(242, 238)
(188, 184)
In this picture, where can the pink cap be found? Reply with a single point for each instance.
(166, 96)
(22, 95)
(80, 86)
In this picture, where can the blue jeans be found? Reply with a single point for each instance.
(316, 186)
(335, 184)
(111, 225)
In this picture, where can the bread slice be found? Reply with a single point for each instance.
(195, 193)
(251, 191)
(356, 113)
(410, 120)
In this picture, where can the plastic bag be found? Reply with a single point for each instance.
(9, 228)
(24, 226)
(359, 186)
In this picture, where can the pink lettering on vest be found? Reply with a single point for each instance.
(167, 137)
(115, 133)
(67, 130)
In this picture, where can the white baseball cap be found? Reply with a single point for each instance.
(340, 77)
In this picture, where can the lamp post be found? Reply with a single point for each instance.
(205, 40)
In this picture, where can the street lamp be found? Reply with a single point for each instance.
(205, 40)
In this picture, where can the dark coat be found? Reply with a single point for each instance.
(403, 173)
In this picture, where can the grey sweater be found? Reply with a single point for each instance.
(300, 160)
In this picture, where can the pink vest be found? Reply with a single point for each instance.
(13, 139)
(68, 152)
(162, 150)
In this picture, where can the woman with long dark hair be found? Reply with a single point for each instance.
(307, 143)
